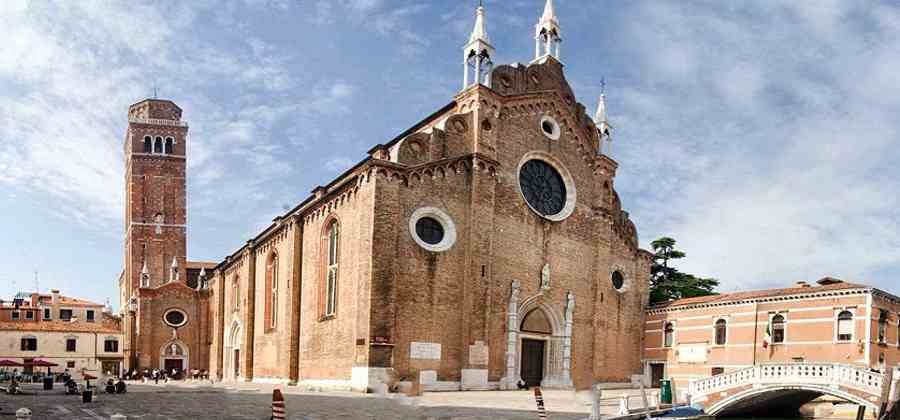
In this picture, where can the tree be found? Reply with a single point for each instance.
(667, 283)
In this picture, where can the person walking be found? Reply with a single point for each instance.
(156, 376)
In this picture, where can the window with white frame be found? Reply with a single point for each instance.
(882, 327)
(778, 328)
(845, 326)
(668, 334)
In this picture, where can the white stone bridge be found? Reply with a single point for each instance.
(788, 386)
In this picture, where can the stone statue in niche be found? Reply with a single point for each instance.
(514, 296)
(159, 219)
(545, 277)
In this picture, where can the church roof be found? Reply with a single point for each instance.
(738, 297)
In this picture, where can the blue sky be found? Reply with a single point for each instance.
(761, 135)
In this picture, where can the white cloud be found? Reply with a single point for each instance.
(764, 150)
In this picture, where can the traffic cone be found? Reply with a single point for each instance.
(277, 405)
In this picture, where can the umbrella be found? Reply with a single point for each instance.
(43, 363)
(10, 363)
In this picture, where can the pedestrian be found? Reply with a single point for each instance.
(156, 376)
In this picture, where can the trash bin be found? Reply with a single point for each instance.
(665, 391)
(87, 395)
(48, 383)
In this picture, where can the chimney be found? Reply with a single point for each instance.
(55, 293)
(803, 284)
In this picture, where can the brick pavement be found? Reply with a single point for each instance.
(178, 401)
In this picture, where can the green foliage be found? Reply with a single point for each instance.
(667, 282)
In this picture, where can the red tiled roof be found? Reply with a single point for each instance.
(61, 326)
(201, 264)
(758, 294)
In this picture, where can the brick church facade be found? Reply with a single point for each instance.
(165, 314)
(482, 247)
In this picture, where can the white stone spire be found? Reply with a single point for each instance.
(477, 53)
(145, 275)
(174, 270)
(547, 34)
(603, 126)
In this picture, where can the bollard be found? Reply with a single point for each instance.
(623, 406)
(278, 412)
(118, 417)
(595, 403)
(23, 414)
(539, 398)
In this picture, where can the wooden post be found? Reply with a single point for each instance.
(861, 413)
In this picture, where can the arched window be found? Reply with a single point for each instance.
(331, 277)
(272, 292)
(882, 327)
(668, 334)
(536, 321)
(148, 144)
(778, 334)
(158, 145)
(236, 293)
(169, 145)
(721, 332)
(845, 326)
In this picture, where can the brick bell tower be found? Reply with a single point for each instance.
(155, 222)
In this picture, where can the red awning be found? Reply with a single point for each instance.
(42, 363)
(10, 363)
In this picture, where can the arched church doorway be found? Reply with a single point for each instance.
(174, 356)
(535, 332)
(233, 352)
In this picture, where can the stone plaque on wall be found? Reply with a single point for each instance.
(425, 351)
(478, 353)
(692, 353)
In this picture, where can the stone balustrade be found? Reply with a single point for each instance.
(158, 121)
(822, 374)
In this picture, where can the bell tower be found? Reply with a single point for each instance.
(155, 202)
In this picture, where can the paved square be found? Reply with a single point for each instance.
(180, 401)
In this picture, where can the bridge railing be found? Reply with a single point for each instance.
(823, 374)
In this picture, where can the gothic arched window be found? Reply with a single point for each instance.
(170, 143)
(236, 293)
(721, 332)
(148, 144)
(272, 292)
(331, 268)
(158, 145)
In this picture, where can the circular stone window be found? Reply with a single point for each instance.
(546, 186)
(618, 280)
(432, 229)
(550, 127)
(175, 318)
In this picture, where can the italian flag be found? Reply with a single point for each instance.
(768, 338)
